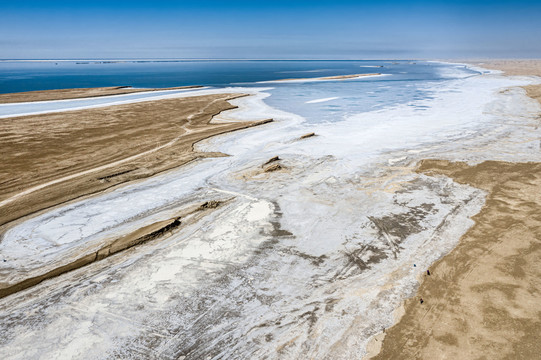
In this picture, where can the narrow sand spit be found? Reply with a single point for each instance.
(324, 78)
(53, 158)
(482, 300)
(65, 94)
(338, 77)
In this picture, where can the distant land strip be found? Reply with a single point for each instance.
(66, 94)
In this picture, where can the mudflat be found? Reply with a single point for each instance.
(481, 301)
(65, 94)
(53, 158)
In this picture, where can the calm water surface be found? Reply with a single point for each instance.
(403, 83)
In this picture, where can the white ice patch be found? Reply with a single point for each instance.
(321, 100)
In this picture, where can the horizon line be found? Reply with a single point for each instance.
(262, 59)
(203, 59)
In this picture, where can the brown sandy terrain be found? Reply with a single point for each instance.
(53, 158)
(512, 67)
(516, 67)
(338, 77)
(482, 300)
(64, 94)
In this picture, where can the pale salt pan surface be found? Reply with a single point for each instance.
(294, 266)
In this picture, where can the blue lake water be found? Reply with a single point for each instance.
(27, 76)
(405, 81)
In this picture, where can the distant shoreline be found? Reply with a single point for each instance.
(323, 78)
(79, 93)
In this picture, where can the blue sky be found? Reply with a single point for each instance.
(270, 29)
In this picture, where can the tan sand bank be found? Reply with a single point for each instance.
(64, 94)
(338, 77)
(53, 158)
(482, 300)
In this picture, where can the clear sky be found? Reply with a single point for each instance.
(276, 29)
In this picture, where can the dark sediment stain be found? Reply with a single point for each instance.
(271, 160)
(375, 255)
(277, 230)
(107, 177)
(392, 230)
(395, 228)
(314, 260)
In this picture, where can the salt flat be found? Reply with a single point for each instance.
(310, 260)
